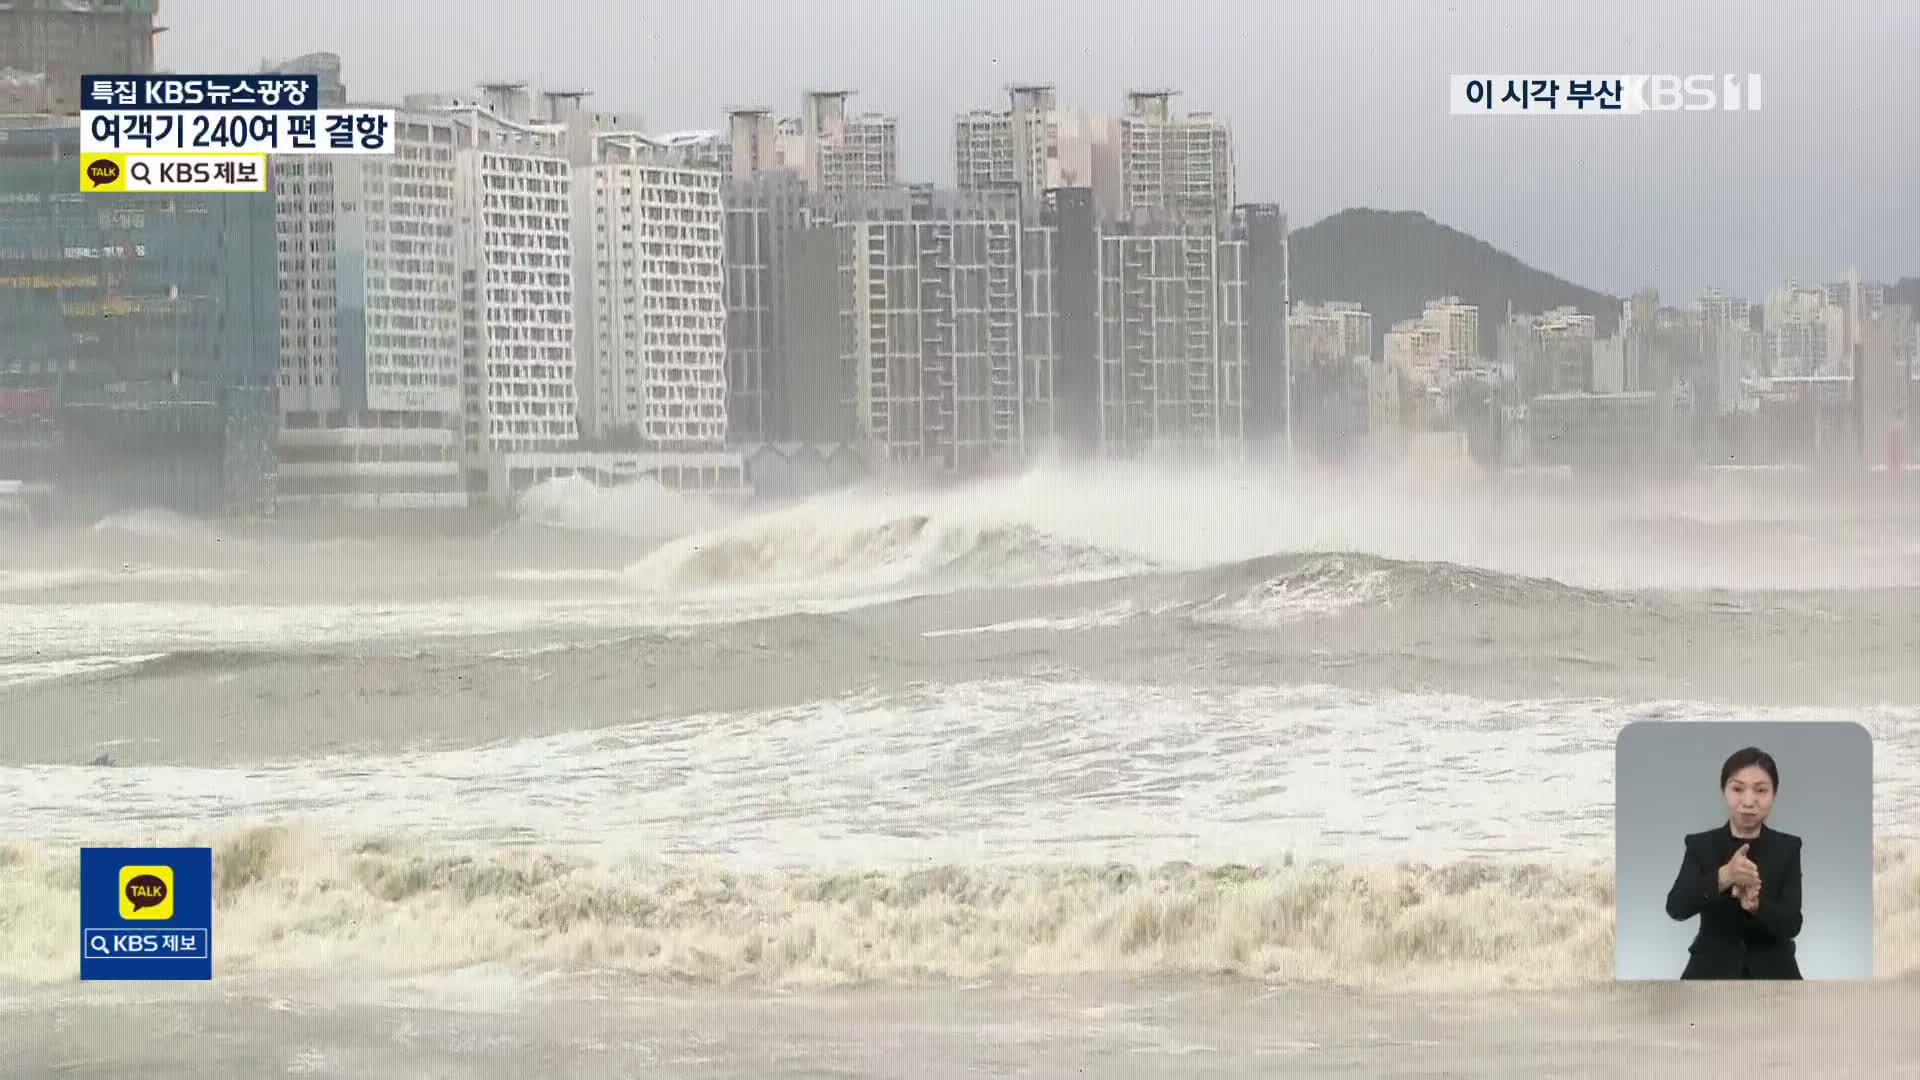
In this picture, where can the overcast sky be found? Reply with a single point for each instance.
(1334, 104)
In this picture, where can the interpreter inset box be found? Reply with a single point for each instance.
(1743, 850)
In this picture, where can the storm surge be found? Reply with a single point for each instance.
(290, 900)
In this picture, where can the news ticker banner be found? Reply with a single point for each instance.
(185, 133)
(146, 913)
(1604, 95)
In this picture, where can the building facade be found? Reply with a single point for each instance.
(47, 45)
(653, 354)
(146, 326)
(370, 378)
(931, 305)
(514, 245)
(1175, 165)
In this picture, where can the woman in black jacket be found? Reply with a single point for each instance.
(1743, 880)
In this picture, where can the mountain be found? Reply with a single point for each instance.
(1393, 261)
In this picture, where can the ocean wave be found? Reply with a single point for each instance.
(288, 899)
(53, 579)
(1289, 587)
(1273, 591)
(156, 523)
(19, 672)
(644, 509)
(810, 544)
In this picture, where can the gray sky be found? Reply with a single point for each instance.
(1333, 104)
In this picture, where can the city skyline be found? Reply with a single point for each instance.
(1721, 201)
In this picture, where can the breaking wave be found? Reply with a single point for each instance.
(157, 524)
(1289, 587)
(50, 580)
(641, 510)
(289, 899)
(796, 548)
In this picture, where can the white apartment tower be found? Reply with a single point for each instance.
(1332, 333)
(983, 158)
(1035, 145)
(1432, 351)
(377, 233)
(512, 196)
(370, 322)
(1178, 166)
(653, 356)
(843, 152)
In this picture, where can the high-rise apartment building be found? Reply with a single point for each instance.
(652, 353)
(932, 309)
(1550, 353)
(1035, 146)
(1175, 165)
(846, 152)
(1167, 387)
(762, 213)
(47, 45)
(1718, 309)
(835, 152)
(369, 285)
(512, 205)
(1445, 339)
(1330, 333)
(370, 375)
(323, 66)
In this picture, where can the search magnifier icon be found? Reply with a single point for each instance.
(141, 171)
(97, 943)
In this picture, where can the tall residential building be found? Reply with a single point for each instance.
(1034, 146)
(47, 45)
(1718, 309)
(1159, 340)
(369, 286)
(652, 349)
(1332, 333)
(835, 152)
(1174, 165)
(759, 142)
(983, 157)
(1167, 386)
(1887, 349)
(701, 149)
(931, 302)
(323, 66)
(512, 197)
(1444, 340)
(762, 212)
(847, 152)
(370, 373)
(1261, 230)
(1857, 303)
(1340, 394)
(1806, 334)
(1550, 353)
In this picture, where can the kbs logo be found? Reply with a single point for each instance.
(1691, 93)
(146, 892)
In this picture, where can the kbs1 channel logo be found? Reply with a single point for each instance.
(211, 133)
(1601, 95)
(146, 913)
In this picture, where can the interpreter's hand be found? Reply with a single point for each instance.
(1739, 871)
(1749, 897)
